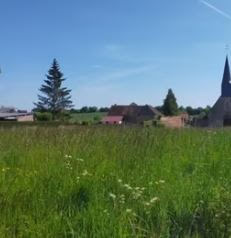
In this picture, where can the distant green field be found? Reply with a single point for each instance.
(94, 117)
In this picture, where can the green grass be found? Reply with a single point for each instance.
(92, 117)
(114, 182)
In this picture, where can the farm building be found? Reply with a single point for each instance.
(133, 113)
(220, 114)
(16, 116)
(113, 120)
(179, 121)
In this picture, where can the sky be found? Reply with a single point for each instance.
(115, 51)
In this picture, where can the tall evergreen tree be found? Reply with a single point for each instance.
(170, 107)
(55, 98)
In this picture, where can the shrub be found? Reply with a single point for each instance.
(43, 116)
(86, 123)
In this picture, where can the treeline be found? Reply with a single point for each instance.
(171, 108)
(198, 111)
(92, 109)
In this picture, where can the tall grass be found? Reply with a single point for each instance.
(114, 182)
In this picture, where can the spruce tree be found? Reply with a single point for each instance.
(55, 98)
(170, 107)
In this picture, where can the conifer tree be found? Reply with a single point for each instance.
(54, 98)
(170, 107)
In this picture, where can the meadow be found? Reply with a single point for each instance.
(93, 117)
(95, 181)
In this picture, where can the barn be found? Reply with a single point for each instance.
(132, 113)
(16, 116)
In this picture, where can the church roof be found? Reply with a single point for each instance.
(226, 81)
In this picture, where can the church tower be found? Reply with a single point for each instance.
(220, 114)
(226, 82)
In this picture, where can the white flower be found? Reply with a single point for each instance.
(128, 210)
(112, 195)
(162, 181)
(85, 173)
(119, 181)
(80, 160)
(68, 156)
(128, 186)
(154, 199)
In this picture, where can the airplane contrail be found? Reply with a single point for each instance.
(209, 5)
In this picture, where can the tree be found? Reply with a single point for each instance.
(104, 109)
(55, 99)
(84, 109)
(170, 107)
(92, 109)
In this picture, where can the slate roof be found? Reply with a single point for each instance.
(226, 81)
(121, 110)
(4, 115)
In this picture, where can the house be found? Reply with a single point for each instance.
(220, 114)
(179, 121)
(113, 120)
(132, 113)
(16, 116)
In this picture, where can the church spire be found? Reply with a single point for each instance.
(226, 82)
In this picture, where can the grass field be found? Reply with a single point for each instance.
(89, 117)
(114, 182)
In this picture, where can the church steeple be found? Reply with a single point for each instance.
(226, 82)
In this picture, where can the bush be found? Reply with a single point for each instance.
(64, 116)
(96, 118)
(43, 116)
(86, 123)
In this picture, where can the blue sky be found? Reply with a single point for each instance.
(115, 51)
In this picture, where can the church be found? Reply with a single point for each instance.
(220, 115)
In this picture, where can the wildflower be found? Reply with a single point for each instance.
(119, 181)
(68, 156)
(162, 181)
(128, 210)
(127, 186)
(80, 160)
(153, 200)
(3, 170)
(112, 195)
(147, 204)
(85, 173)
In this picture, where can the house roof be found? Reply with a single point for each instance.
(13, 114)
(112, 119)
(133, 109)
